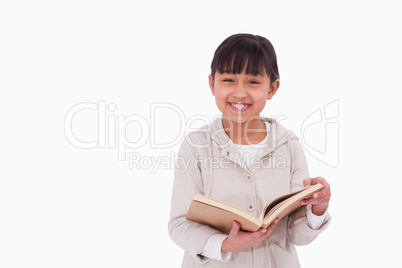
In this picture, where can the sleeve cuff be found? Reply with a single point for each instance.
(212, 248)
(313, 220)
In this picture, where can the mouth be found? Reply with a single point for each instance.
(239, 107)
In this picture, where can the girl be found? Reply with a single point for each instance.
(245, 160)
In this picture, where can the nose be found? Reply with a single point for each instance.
(240, 91)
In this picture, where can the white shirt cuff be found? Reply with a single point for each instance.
(213, 246)
(313, 220)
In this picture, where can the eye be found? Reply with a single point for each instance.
(254, 82)
(228, 80)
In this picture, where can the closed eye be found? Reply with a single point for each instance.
(228, 80)
(253, 82)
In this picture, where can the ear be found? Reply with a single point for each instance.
(273, 88)
(211, 84)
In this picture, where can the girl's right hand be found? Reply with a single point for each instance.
(239, 240)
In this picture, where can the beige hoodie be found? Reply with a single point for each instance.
(208, 163)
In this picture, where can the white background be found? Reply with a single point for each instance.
(64, 206)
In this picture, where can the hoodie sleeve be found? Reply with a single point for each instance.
(299, 231)
(190, 236)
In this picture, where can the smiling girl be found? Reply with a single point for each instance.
(244, 75)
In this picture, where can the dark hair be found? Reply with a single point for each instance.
(237, 50)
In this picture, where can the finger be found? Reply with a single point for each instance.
(310, 201)
(324, 192)
(271, 228)
(262, 233)
(317, 198)
(273, 224)
(307, 182)
(320, 180)
(259, 233)
(235, 228)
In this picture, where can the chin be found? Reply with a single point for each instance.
(237, 120)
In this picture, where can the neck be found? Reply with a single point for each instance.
(250, 132)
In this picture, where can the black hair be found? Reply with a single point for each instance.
(253, 53)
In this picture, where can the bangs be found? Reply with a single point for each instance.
(243, 58)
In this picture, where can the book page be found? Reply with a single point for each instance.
(278, 200)
(290, 205)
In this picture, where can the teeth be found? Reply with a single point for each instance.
(239, 105)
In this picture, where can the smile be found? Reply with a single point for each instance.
(239, 106)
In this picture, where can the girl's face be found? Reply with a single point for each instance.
(241, 97)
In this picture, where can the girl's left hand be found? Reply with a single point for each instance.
(320, 200)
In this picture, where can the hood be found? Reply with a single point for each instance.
(278, 135)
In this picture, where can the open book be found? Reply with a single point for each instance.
(221, 215)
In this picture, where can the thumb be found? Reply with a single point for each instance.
(307, 182)
(235, 228)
